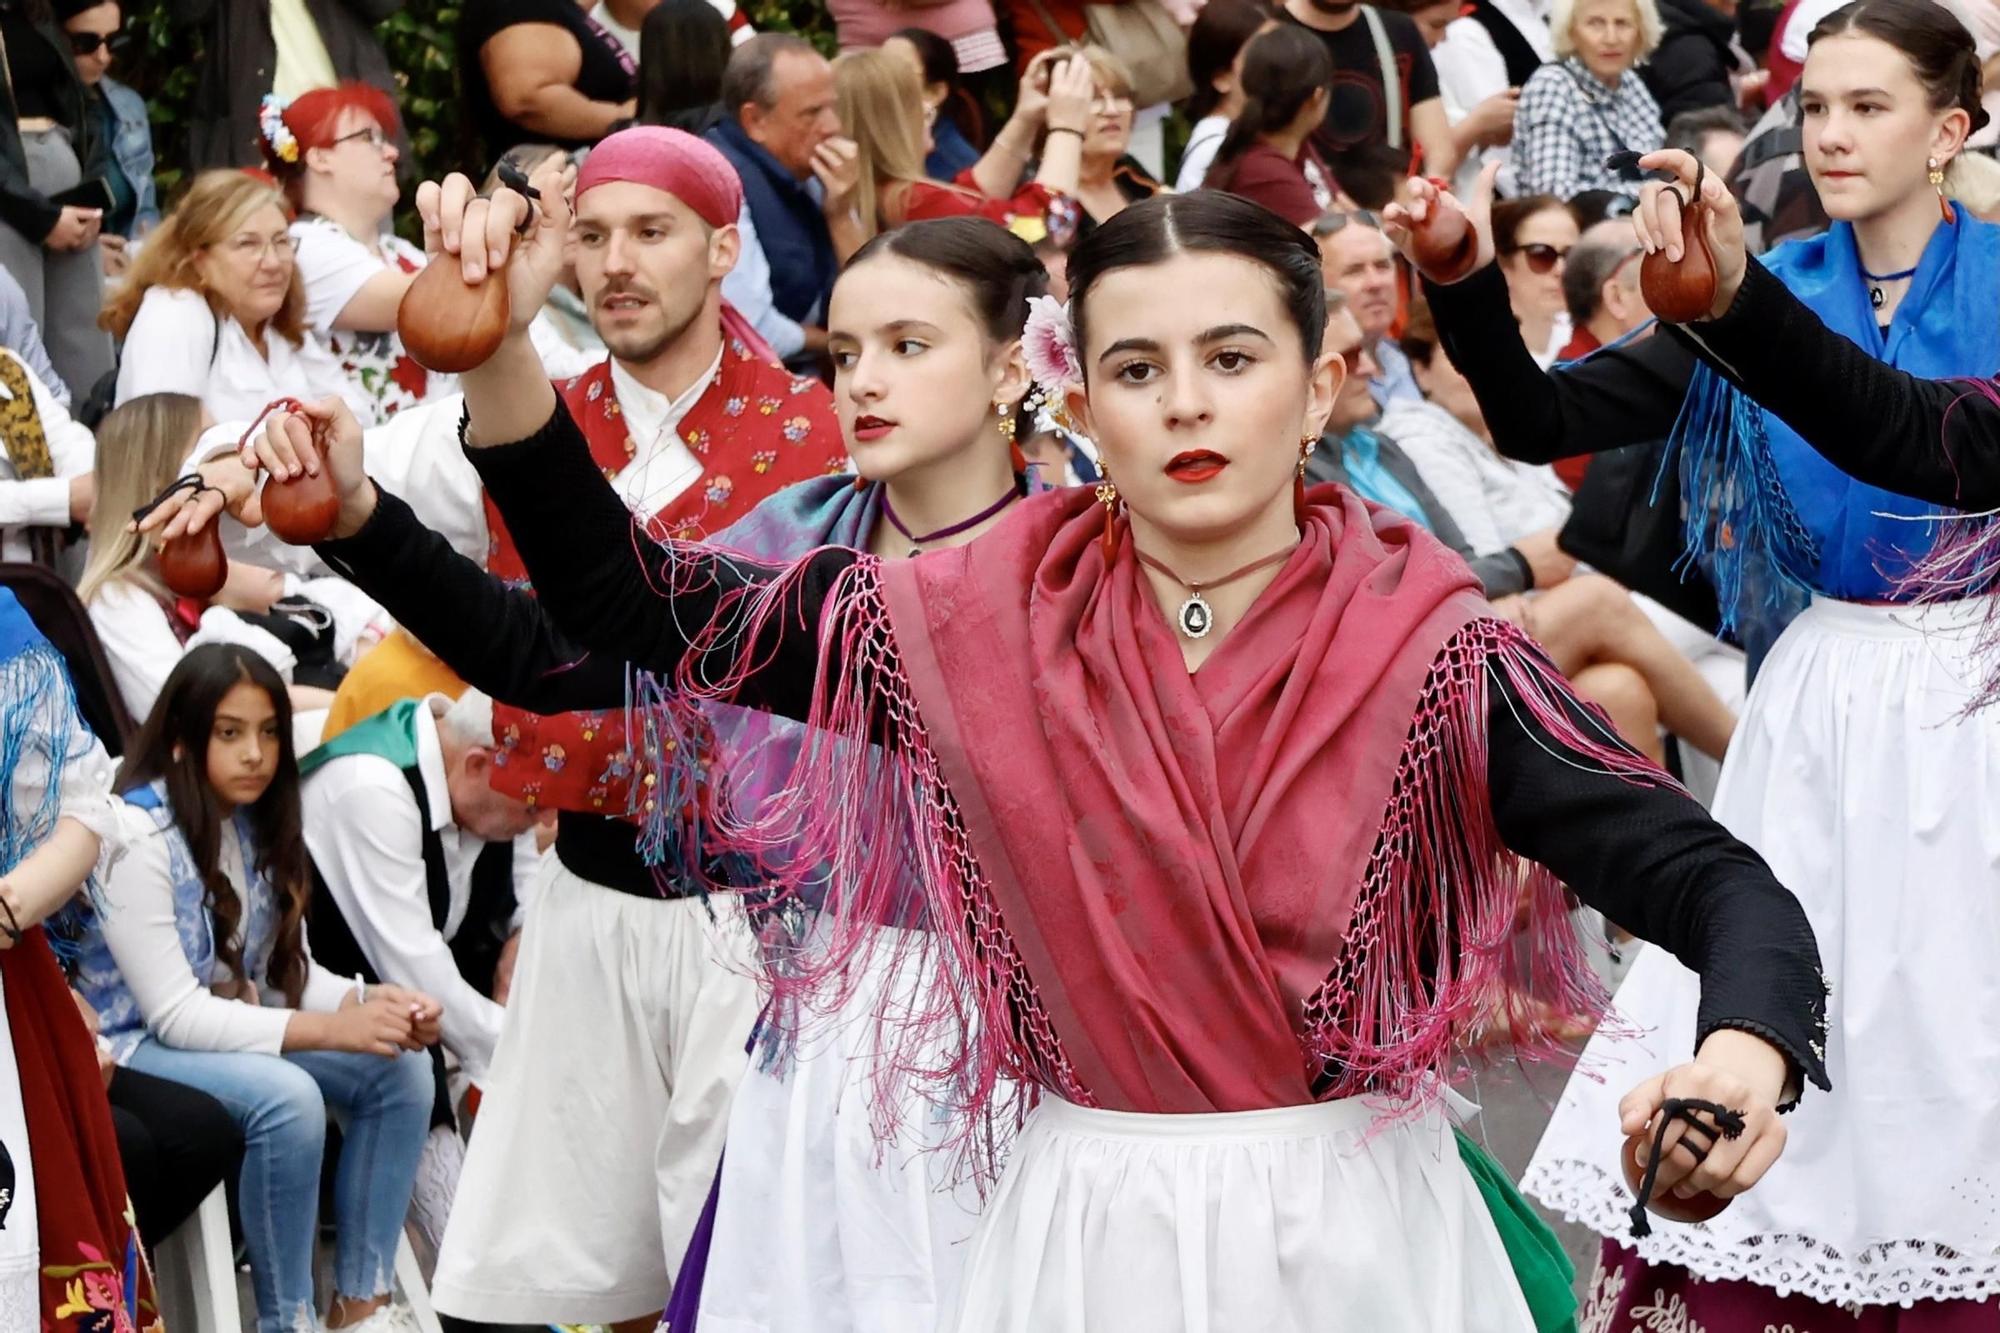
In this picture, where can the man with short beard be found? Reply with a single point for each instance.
(606, 1103)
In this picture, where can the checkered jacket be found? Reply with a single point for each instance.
(1567, 123)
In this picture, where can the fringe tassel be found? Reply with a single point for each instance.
(41, 719)
(1433, 949)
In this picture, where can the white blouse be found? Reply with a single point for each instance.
(138, 924)
(177, 345)
(140, 643)
(334, 267)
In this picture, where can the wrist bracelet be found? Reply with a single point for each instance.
(1064, 129)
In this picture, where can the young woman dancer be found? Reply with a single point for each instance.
(1856, 769)
(1288, 801)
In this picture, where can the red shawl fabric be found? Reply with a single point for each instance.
(93, 1277)
(1273, 879)
(756, 430)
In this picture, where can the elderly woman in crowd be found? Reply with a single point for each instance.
(1109, 179)
(1589, 104)
(1532, 238)
(215, 307)
(334, 152)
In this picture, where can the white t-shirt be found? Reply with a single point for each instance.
(176, 345)
(42, 502)
(334, 266)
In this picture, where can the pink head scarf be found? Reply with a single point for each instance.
(691, 171)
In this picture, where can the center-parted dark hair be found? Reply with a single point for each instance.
(1219, 32)
(183, 719)
(683, 49)
(1930, 37)
(1282, 69)
(1154, 230)
(1510, 215)
(998, 271)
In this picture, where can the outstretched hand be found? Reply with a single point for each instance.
(1432, 212)
(1733, 1069)
(1657, 220)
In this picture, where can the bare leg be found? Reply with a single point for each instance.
(1621, 691)
(1591, 621)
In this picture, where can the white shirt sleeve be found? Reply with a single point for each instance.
(138, 640)
(366, 835)
(333, 266)
(170, 347)
(748, 288)
(1424, 433)
(138, 922)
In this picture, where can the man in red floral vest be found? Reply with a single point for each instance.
(606, 1104)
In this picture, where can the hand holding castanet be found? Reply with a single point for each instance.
(449, 325)
(301, 508)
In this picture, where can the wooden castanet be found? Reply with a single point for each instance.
(1682, 292)
(302, 510)
(1664, 1202)
(194, 566)
(448, 326)
(1445, 247)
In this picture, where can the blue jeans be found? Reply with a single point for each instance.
(281, 1104)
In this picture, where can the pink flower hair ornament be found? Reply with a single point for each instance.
(1048, 344)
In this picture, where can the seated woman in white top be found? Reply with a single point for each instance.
(334, 152)
(143, 626)
(197, 964)
(215, 307)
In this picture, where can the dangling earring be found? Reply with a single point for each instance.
(1307, 443)
(1107, 495)
(1937, 183)
(1019, 460)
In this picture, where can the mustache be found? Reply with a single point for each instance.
(623, 287)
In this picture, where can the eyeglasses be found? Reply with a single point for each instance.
(1542, 258)
(374, 134)
(253, 248)
(87, 43)
(1104, 102)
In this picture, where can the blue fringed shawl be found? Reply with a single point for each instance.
(1770, 518)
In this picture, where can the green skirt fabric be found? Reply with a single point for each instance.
(1547, 1277)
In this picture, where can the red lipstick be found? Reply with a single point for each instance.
(872, 428)
(1196, 465)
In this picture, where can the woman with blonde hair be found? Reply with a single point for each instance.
(1108, 178)
(143, 625)
(1589, 104)
(881, 100)
(215, 307)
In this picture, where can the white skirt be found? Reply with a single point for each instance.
(1281, 1221)
(818, 1227)
(1874, 799)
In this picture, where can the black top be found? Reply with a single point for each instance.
(604, 76)
(1628, 394)
(1358, 114)
(38, 71)
(1936, 440)
(1650, 858)
(1690, 69)
(501, 643)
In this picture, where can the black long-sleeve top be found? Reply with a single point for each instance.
(1650, 858)
(1935, 440)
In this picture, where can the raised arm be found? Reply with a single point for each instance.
(1937, 440)
(1623, 395)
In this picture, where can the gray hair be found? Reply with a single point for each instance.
(1562, 17)
(469, 721)
(1590, 265)
(748, 77)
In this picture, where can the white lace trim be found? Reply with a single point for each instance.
(1888, 1273)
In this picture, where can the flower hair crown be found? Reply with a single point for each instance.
(1048, 344)
(278, 136)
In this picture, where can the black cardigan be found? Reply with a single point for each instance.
(1650, 858)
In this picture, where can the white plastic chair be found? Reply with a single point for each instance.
(195, 1271)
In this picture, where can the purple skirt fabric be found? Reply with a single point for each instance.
(684, 1305)
(1629, 1295)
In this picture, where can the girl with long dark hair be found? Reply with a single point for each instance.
(1857, 769)
(1267, 157)
(683, 48)
(197, 965)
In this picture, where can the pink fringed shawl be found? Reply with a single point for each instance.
(1155, 891)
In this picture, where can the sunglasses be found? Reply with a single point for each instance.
(1542, 258)
(87, 43)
